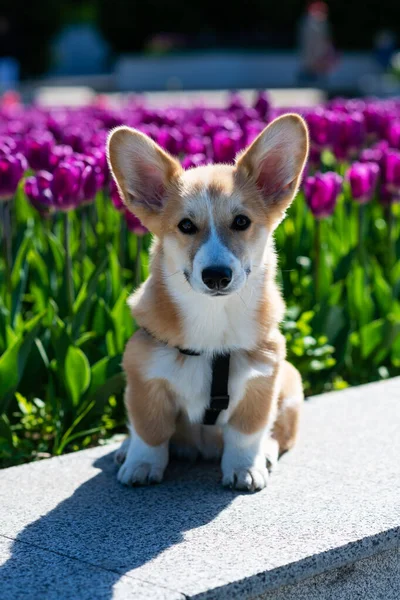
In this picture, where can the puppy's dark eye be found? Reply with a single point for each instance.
(186, 226)
(240, 223)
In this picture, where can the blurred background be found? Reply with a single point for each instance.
(341, 47)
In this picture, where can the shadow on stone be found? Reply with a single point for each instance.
(110, 528)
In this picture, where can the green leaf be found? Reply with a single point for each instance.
(371, 336)
(21, 257)
(102, 371)
(57, 251)
(5, 430)
(77, 374)
(18, 293)
(13, 361)
(115, 273)
(85, 299)
(121, 315)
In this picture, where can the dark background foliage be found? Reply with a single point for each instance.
(129, 24)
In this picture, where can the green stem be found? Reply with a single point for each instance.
(317, 258)
(138, 262)
(390, 224)
(361, 228)
(82, 249)
(68, 262)
(122, 242)
(7, 244)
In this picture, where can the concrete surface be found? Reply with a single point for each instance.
(374, 578)
(70, 531)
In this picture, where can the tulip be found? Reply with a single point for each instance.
(134, 224)
(393, 134)
(170, 139)
(38, 190)
(321, 192)
(321, 124)
(38, 151)
(66, 185)
(349, 135)
(196, 145)
(391, 171)
(226, 145)
(11, 170)
(58, 154)
(363, 178)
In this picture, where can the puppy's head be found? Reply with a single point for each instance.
(213, 221)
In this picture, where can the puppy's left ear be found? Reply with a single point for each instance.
(275, 161)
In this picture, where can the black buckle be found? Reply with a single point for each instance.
(219, 402)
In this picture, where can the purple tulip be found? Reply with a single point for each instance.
(134, 224)
(321, 192)
(322, 125)
(11, 170)
(171, 139)
(59, 154)
(66, 185)
(197, 145)
(393, 134)
(391, 171)
(363, 178)
(226, 145)
(349, 136)
(38, 190)
(38, 151)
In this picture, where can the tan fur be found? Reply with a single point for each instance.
(287, 423)
(150, 404)
(153, 307)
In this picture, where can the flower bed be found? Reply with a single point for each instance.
(72, 254)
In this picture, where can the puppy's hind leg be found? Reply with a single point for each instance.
(290, 402)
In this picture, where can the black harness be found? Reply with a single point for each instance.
(219, 397)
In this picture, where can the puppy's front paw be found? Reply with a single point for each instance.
(142, 464)
(139, 473)
(251, 479)
(120, 454)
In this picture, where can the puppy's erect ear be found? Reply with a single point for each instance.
(142, 171)
(275, 161)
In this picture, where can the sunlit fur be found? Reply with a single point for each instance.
(167, 391)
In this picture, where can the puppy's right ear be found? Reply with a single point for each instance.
(142, 171)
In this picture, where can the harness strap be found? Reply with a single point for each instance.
(219, 398)
(219, 389)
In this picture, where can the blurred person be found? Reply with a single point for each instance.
(385, 44)
(317, 54)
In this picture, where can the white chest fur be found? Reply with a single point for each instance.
(191, 376)
(216, 324)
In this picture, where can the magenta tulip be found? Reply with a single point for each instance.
(134, 224)
(363, 178)
(11, 170)
(391, 171)
(38, 190)
(321, 192)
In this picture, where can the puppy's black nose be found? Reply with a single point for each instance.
(217, 278)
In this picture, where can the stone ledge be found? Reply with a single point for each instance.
(69, 530)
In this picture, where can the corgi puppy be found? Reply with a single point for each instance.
(211, 293)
